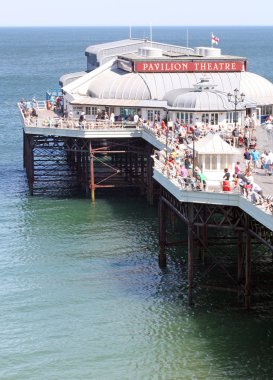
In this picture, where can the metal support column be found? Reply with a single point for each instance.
(248, 272)
(162, 260)
(92, 173)
(29, 161)
(149, 176)
(190, 255)
(239, 260)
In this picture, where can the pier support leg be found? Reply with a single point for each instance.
(92, 174)
(24, 148)
(149, 174)
(203, 243)
(29, 161)
(248, 272)
(190, 264)
(162, 259)
(239, 261)
(190, 256)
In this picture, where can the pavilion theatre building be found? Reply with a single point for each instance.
(197, 86)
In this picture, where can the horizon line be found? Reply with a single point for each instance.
(137, 26)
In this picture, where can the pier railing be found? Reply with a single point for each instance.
(52, 120)
(190, 185)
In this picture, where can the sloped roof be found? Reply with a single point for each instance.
(110, 82)
(115, 83)
(205, 100)
(212, 143)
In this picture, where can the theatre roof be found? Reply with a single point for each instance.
(110, 82)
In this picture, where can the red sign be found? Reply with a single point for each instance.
(188, 66)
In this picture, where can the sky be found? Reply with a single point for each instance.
(136, 13)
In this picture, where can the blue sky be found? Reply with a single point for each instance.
(140, 12)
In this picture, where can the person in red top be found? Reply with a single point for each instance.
(226, 183)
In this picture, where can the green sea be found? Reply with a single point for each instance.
(81, 293)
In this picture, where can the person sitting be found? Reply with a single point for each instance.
(203, 180)
(34, 113)
(82, 120)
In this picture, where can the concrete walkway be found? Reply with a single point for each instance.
(264, 142)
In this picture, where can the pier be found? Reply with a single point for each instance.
(61, 155)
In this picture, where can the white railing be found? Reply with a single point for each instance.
(190, 184)
(40, 104)
(61, 123)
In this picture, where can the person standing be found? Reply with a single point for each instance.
(226, 183)
(247, 157)
(235, 134)
(255, 155)
(237, 168)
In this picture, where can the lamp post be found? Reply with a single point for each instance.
(167, 133)
(236, 99)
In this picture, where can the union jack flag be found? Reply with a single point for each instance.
(214, 39)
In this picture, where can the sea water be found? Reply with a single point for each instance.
(81, 293)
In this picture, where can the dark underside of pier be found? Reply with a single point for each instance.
(75, 166)
(220, 247)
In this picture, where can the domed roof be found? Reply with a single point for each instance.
(257, 88)
(205, 100)
(118, 84)
(114, 83)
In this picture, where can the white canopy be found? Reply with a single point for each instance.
(212, 143)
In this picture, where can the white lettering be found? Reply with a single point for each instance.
(145, 66)
(215, 67)
(188, 66)
(177, 67)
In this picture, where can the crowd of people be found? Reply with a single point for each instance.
(179, 165)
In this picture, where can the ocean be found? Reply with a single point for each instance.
(81, 293)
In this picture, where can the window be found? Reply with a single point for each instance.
(150, 115)
(207, 162)
(153, 115)
(231, 117)
(127, 113)
(205, 118)
(91, 110)
(214, 118)
(224, 161)
(267, 110)
(185, 117)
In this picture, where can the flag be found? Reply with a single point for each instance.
(214, 39)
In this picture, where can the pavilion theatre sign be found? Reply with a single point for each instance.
(188, 66)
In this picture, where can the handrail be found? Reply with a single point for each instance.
(72, 123)
(190, 183)
(212, 186)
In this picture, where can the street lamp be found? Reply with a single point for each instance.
(193, 154)
(236, 99)
(167, 133)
